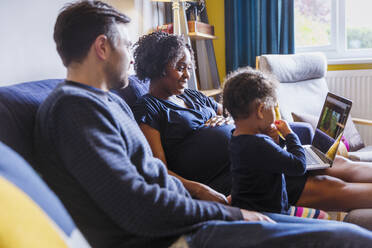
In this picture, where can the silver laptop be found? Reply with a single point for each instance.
(322, 151)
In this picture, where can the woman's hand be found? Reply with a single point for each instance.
(204, 192)
(218, 120)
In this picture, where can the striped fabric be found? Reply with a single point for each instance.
(308, 213)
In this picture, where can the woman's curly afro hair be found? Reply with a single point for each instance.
(153, 52)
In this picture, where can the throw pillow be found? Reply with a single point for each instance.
(351, 134)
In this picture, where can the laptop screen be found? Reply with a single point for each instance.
(331, 124)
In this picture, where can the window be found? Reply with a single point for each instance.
(358, 24)
(339, 28)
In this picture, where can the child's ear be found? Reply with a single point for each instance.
(260, 110)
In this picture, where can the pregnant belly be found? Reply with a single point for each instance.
(203, 154)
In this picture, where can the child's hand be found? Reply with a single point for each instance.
(283, 127)
(272, 131)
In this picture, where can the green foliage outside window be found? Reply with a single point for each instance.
(311, 33)
(359, 38)
(312, 22)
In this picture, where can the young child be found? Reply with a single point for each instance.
(259, 163)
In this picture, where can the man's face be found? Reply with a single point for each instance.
(119, 62)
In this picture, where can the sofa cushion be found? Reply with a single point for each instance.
(29, 209)
(135, 90)
(304, 132)
(18, 106)
(364, 154)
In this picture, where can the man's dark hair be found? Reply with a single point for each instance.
(80, 23)
(245, 88)
(153, 52)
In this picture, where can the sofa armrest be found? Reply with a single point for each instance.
(362, 121)
(304, 131)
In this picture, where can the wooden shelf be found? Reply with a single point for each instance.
(211, 92)
(201, 36)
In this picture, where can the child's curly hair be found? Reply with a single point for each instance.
(245, 88)
(153, 52)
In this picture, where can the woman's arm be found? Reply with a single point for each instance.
(196, 189)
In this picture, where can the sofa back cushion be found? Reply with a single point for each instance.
(18, 106)
(135, 90)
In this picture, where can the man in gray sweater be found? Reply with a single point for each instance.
(93, 155)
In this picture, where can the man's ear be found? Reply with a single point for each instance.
(260, 110)
(102, 47)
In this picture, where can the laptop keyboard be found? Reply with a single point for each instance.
(310, 158)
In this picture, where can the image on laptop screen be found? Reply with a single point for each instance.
(331, 124)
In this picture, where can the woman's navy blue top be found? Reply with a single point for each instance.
(192, 150)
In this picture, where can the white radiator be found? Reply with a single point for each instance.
(357, 86)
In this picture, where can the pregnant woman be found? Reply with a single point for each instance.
(185, 129)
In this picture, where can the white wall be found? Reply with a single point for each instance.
(27, 49)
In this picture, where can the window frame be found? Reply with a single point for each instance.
(337, 49)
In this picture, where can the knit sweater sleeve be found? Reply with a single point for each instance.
(291, 162)
(121, 176)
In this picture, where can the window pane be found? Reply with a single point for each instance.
(358, 24)
(312, 22)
